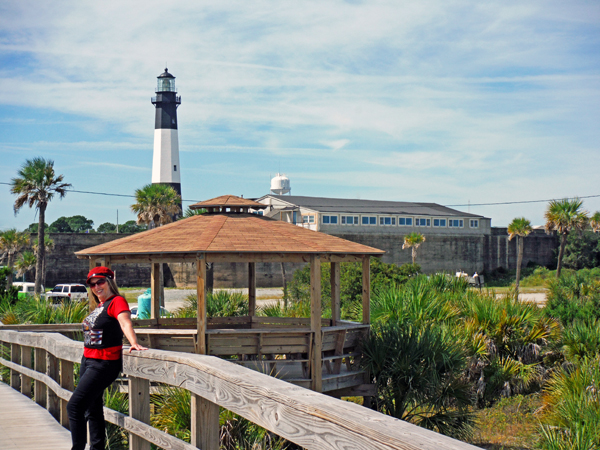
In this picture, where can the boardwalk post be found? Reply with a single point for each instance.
(205, 423)
(39, 389)
(67, 382)
(335, 293)
(15, 356)
(316, 375)
(26, 362)
(139, 408)
(201, 294)
(52, 402)
(252, 289)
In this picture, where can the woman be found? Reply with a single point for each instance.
(102, 359)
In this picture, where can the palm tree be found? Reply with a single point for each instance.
(156, 204)
(11, 241)
(564, 216)
(519, 227)
(48, 248)
(413, 240)
(595, 222)
(25, 263)
(36, 185)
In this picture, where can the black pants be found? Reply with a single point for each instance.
(86, 406)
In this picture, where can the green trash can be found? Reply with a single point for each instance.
(144, 302)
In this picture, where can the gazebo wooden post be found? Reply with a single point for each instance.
(91, 304)
(366, 290)
(252, 289)
(316, 372)
(201, 293)
(155, 286)
(335, 293)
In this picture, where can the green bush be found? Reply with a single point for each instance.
(382, 275)
(574, 296)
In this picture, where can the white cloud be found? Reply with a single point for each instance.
(435, 99)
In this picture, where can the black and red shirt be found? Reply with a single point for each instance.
(103, 336)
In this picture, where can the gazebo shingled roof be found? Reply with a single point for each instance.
(228, 201)
(228, 233)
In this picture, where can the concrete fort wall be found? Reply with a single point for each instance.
(469, 253)
(449, 253)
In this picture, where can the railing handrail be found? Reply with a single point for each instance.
(307, 418)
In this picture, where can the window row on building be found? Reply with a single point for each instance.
(391, 221)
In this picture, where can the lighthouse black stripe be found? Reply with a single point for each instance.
(166, 110)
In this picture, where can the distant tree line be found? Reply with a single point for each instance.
(81, 224)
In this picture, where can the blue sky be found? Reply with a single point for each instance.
(452, 102)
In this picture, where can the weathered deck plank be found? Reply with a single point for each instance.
(17, 416)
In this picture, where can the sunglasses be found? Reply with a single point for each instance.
(100, 282)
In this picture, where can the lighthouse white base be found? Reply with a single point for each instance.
(165, 162)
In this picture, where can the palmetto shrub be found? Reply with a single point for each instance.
(581, 340)
(417, 371)
(420, 301)
(574, 296)
(39, 311)
(506, 340)
(571, 418)
(218, 304)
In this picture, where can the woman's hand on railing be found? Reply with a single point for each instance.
(137, 346)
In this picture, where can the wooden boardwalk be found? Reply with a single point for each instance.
(25, 425)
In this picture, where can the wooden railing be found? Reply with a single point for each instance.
(309, 419)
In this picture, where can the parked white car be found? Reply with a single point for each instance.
(67, 291)
(134, 312)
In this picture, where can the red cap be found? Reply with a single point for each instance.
(100, 272)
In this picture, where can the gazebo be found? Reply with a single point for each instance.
(307, 352)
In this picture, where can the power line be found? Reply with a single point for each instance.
(467, 204)
(107, 193)
(524, 201)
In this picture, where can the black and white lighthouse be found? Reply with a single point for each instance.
(165, 162)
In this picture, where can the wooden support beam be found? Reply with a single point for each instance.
(26, 353)
(366, 289)
(39, 388)
(252, 289)
(155, 285)
(139, 409)
(335, 293)
(52, 402)
(67, 382)
(105, 261)
(201, 293)
(205, 423)
(15, 356)
(91, 303)
(316, 375)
